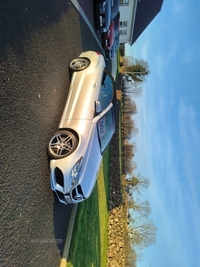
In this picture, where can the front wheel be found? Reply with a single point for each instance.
(62, 144)
(79, 64)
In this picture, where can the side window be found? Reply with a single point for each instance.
(106, 91)
(105, 129)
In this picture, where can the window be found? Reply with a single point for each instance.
(123, 32)
(124, 2)
(123, 23)
(106, 129)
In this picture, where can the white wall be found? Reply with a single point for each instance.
(127, 13)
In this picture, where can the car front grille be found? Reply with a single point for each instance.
(59, 177)
(77, 193)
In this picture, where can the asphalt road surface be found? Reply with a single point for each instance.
(38, 39)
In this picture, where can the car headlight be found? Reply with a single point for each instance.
(75, 171)
(103, 7)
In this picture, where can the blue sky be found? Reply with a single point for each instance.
(168, 142)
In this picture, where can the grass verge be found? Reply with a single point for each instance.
(90, 238)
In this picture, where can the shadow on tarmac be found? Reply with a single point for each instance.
(20, 19)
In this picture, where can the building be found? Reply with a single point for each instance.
(135, 16)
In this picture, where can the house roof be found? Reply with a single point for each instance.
(146, 12)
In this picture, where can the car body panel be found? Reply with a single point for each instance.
(75, 108)
(115, 9)
(103, 15)
(93, 130)
(91, 170)
(108, 37)
(90, 165)
(93, 156)
(112, 51)
(113, 31)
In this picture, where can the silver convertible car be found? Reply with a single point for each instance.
(85, 130)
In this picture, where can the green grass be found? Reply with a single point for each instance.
(90, 238)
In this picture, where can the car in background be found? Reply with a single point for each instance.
(85, 129)
(103, 15)
(114, 9)
(113, 31)
(110, 53)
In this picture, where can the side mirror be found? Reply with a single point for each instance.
(98, 108)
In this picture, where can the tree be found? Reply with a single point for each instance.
(131, 87)
(128, 126)
(126, 143)
(129, 105)
(139, 182)
(129, 166)
(135, 131)
(131, 256)
(133, 181)
(143, 208)
(128, 151)
(137, 69)
(127, 120)
(129, 129)
(143, 233)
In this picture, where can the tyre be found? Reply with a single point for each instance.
(79, 64)
(62, 144)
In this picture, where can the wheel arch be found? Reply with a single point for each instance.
(70, 130)
(53, 144)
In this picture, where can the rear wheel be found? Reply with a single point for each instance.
(62, 144)
(79, 64)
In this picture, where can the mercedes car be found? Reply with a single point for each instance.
(86, 127)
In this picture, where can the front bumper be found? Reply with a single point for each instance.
(65, 192)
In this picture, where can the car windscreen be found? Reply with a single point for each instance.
(115, 9)
(106, 91)
(106, 127)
